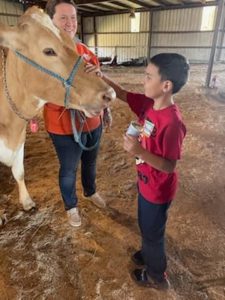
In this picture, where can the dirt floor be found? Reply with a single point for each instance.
(42, 257)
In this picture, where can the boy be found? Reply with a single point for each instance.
(157, 149)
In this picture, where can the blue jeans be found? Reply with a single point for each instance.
(152, 222)
(69, 154)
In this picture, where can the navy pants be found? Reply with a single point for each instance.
(69, 154)
(152, 222)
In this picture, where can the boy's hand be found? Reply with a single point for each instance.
(89, 68)
(132, 145)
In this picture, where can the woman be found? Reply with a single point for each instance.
(58, 124)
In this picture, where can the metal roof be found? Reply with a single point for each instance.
(103, 7)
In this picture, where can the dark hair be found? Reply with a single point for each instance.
(173, 67)
(51, 4)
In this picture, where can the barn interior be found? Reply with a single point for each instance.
(41, 256)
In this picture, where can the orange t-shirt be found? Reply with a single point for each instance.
(57, 118)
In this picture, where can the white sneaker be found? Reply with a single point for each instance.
(74, 217)
(97, 200)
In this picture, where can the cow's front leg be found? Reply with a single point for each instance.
(18, 173)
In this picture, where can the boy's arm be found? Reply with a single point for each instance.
(132, 145)
(158, 162)
(120, 92)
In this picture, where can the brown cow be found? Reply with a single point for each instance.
(24, 89)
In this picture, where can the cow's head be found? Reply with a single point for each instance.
(38, 39)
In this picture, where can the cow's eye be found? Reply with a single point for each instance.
(49, 52)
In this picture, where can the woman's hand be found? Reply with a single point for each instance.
(132, 145)
(89, 68)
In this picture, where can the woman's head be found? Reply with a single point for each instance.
(64, 15)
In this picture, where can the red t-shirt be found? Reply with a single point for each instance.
(163, 135)
(57, 118)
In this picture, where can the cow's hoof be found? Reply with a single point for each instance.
(3, 220)
(29, 205)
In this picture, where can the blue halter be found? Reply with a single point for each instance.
(66, 82)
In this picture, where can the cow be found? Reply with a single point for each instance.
(39, 64)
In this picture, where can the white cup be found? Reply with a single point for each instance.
(134, 129)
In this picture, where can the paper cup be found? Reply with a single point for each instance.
(134, 129)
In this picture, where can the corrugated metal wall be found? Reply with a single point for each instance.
(171, 31)
(114, 36)
(179, 31)
(10, 12)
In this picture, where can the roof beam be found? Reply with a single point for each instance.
(164, 2)
(95, 7)
(122, 4)
(187, 5)
(103, 7)
(107, 7)
(83, 9)
(80, 2)
(143, 4)
(142, 9)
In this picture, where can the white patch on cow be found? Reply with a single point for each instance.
(7, 156)
(41, 102)
(18, 173)
(17, 166)
(47, 22)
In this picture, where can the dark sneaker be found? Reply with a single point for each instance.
(141, 277)
(138, 259)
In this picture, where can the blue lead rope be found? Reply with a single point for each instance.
(77, 134)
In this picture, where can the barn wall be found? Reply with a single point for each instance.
(171, 31)
(114, 37)
(179, 31)
(10, 12)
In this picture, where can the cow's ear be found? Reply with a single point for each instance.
(10, 37)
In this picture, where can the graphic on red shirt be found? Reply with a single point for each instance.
(163, 136)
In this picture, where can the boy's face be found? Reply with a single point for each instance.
(154, 87)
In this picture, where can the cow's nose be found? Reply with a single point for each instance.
(109, 95)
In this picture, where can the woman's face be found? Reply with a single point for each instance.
(65, 18)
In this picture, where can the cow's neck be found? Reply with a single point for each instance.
(25, 103)
(18, 80)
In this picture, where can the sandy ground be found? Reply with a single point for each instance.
(42, 257)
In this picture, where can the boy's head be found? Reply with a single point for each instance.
(167, 72)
